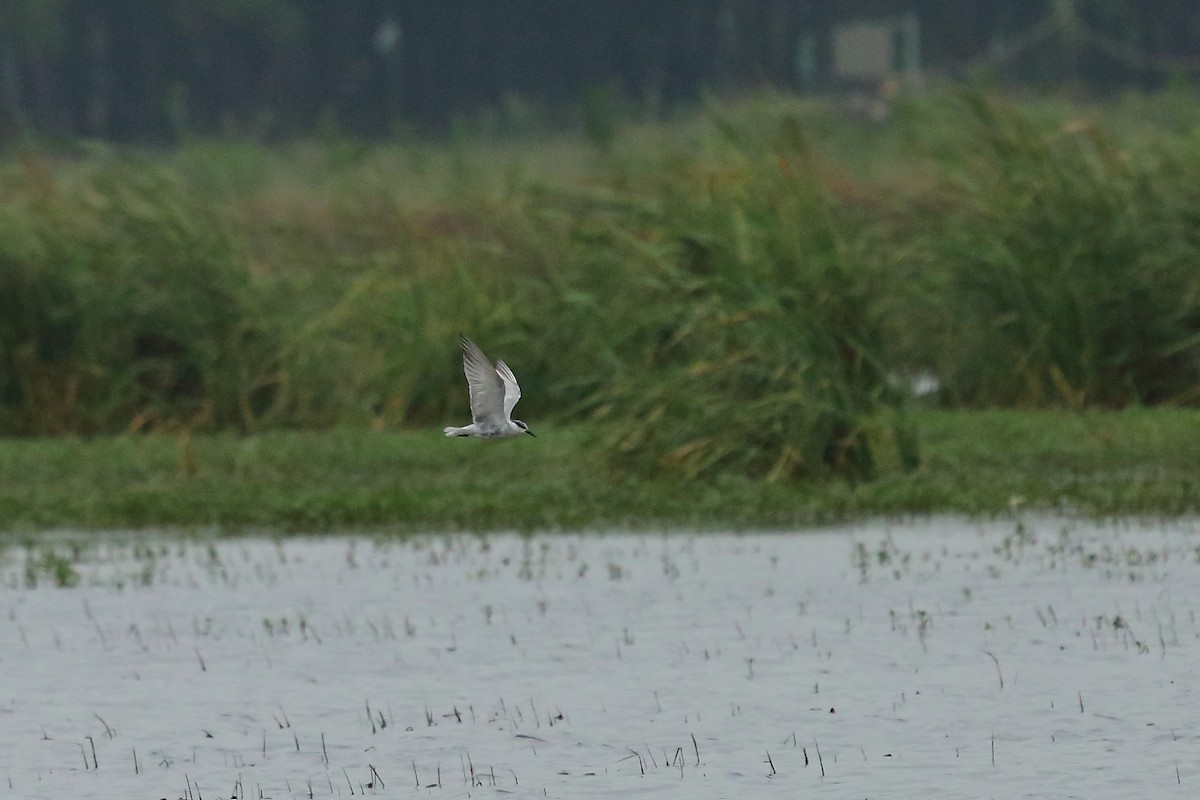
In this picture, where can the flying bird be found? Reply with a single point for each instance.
(494, 393)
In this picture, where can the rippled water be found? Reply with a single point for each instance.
(935, 658)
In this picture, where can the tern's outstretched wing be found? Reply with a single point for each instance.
(512, 392)
(484, 384)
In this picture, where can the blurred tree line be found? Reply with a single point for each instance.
(152, 70)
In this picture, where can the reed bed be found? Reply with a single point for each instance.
(751, 289)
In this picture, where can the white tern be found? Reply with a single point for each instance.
(494, 393)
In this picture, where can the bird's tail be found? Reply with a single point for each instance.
(452, 431)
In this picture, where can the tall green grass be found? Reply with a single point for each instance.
(748, 290)
(1061, 264)
(754, 346)
(123, 305)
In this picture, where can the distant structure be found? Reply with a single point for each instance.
(878, 50)
(872, 60)
(1102, 45)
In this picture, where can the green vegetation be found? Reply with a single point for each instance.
(975, 462)
(1064, 266)
(740, 296)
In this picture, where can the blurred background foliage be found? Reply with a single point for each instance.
(163, 70)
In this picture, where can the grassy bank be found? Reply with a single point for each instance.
(975, 462)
